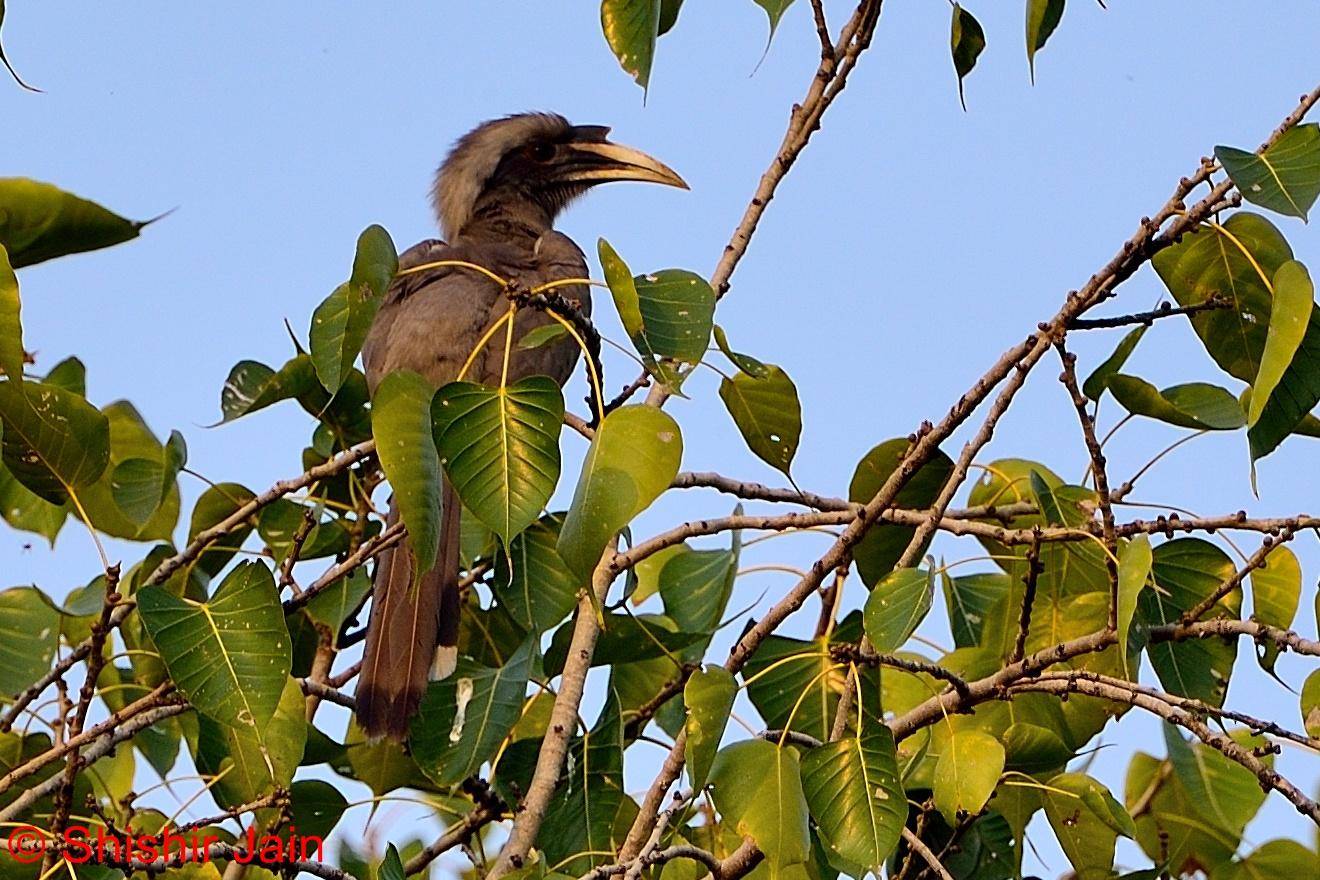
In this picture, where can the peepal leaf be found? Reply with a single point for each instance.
(401, 423)
(230, 656)
(250, 762)
(896, 607)
(39, 222)
(774, 10)
(1042, 18)
(882, 546)
(1276, 591)
(1290, 314)
(54, 441)
(708, 697)
(340, 323)
(767, 412)
(532, 583)
(500, 447)
(631, 28)
(1197, 405)
(252, 385)
(966, 773)
(1096, 383)
(633, 458)
(853, 789)
(141, 485)
(1284, 178)
(758, 787)
(29, 635)
(1134, 562)
(1310, 704)
(1087, 821)
(966, 41)
(11, 327)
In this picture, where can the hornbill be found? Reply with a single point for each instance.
(496, 198)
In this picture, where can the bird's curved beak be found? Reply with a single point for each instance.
(601, 161)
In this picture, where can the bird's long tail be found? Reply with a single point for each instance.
(412, 635)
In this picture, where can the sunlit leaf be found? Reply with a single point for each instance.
(252, 385)
(538, 337)
(464, 718)
(1197, 405)
(53, 440)
(1096, 383)
(744, 362)
(1087, 821)
(969, 599)
(855, 796)
(758, 788)
(1310, 704)
(767, 413)
(966, 41)
(884, 543)
(1284, 178)
(26, 511)
(1042, 18)
(29, 635)
(1276, 591)
(39, 222)
(631, 28)
(708, 697)
(500, 448)
(1134, 562)
(340, 322)
(401, 423)
(897, 605)
(1272, 860)
(633, 458)
(1290, 314)
(967, 773)
(230, 656)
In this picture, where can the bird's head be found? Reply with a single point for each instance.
(534, 161)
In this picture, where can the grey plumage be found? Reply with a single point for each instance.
(496, 198)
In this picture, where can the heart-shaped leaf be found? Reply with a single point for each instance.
(500, 447)
(230, 655)
(1285, 177)
(767, 412)
(54, 441)
(966, 773)
(1087, 821)
(758, 788)
(401, 423)
(634, 457)
(252, 762)
(532, 583)
(39, 222)
(896, 607)
(340, 323)
(853, 790)
(969, 600)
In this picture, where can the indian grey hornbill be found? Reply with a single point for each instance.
(496, 198)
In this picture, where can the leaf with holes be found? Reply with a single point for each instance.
(401, 422)
(340, 322)
(29, 635)
(896, 607)
(54, 441)
(767, 413)
(884, 543)
(855, 796)
(230, 656)
(464, 718)
(1276, 591)
(500, 448)
(967, 42)
(633, 458)
(708, 697)
(1285, 177)
(1134, 561)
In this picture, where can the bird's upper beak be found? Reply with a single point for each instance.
(599, 161)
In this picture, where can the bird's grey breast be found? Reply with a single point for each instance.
(432, 318)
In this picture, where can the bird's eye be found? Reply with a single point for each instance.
(541, 152)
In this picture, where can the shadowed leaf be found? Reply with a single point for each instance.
(340, 322)
(966, 41)
(40, 222)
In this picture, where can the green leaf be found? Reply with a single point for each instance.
(531, 581)
(967, 41)
(633, 458)
(500, 448)
(1042, 18)
(855, 796)
(795, 684)
(28, 512)
(882, 546)
(254, 761)
(39, 222)
(464, 718)
(1290, 313)
(745, 362)
(54, 441)
(1211, 263)
(541, 336)
(230, 656)
(131, 438)
(767, 413)
(1276, 591)
(970, 599)
(579, 829)
(401, 419)
(279, 523)
(1225, 793)
(216, 504)
(1171, 830)
(624, 638)
(1284, 178)
(392, 866)
(1086, 819)
(1096, 383)
(896, 607)
(1310, 704)
(5, 61)
(774, 10)
(1272, 860)
(11, 326)
(1195, 405)
(141, 485)
(29, 635)
(966, 773)
(631, 28)
(340, 323)
(708, 697)
(1134, 563)
(1186, 570)
(253, 385)
(758, 788)
(695, 586)
(316, 807)
(69, 374)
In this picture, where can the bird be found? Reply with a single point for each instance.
(496, 197)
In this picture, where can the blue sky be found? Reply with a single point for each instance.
(912, 244)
